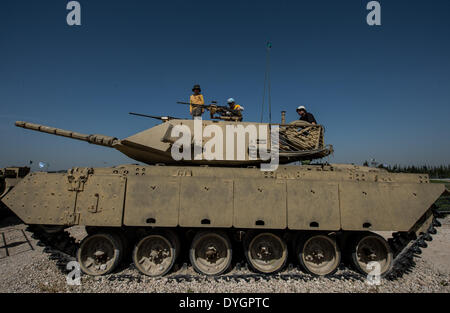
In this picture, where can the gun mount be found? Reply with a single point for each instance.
(224, 113)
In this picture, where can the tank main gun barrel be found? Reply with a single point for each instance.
(100, 140)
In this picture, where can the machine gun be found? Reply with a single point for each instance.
(224, 112)
(161, 118)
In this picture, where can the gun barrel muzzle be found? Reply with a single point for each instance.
(101, 140)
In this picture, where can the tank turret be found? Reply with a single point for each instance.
(296, 141)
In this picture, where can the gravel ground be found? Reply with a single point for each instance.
(24, 267)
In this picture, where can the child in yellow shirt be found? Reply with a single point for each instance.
(196, 101)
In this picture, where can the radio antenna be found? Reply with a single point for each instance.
(267, 84)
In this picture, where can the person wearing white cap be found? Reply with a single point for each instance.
(306, 116)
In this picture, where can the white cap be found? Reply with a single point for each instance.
(301, 108)
(230, 100)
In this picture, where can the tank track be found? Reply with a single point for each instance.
(61, 247)
(405, 248)
(244, 274)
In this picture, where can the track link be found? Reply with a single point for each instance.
(406, 248)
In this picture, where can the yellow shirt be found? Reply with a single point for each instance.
(237, 107)
(196, 99)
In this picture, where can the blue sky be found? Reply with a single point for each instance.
(381, 92)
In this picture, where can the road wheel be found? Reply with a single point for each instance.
(99, 254)
(210, 252)
(155, 254)
(319, 255)
(266, 252)
(369, 248)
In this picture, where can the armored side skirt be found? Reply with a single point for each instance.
(293, 197)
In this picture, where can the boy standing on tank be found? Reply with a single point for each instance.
(196, 101)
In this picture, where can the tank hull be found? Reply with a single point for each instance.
(315, 212)
(293, 197)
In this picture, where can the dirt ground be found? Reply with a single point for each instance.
(24, 267)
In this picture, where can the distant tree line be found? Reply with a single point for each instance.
(441, 171)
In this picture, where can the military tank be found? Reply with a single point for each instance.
(322, 214)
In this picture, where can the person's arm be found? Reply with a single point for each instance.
(202, 102)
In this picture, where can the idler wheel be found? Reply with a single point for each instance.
(369, 248)
(266, 252)
(155, 254)
(100, 253)
(319, 255)
(210, 252)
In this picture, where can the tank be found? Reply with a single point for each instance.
(322, 215)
